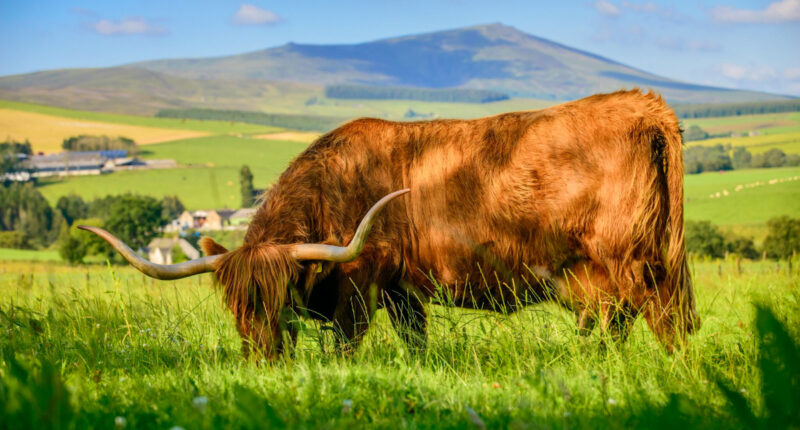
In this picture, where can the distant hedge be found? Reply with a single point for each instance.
(736, 109)
(295, 122)
(451, 95)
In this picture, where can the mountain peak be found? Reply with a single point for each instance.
(491, 56)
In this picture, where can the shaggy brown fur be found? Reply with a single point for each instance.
(581, 203)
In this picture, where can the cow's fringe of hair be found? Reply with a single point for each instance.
(256, 279)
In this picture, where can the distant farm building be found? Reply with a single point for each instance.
(74, 163)
(212, 219)
(160, 250)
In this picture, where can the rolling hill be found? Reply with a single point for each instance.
(283, 79)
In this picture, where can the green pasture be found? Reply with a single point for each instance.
(209, 178)
(747, 207)
(773, 123)
(217, 127)
(7, 254)
(98, 347)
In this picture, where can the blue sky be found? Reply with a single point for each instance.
(740, 44)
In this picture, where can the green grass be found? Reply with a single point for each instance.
(217, 127)
(163, 354)
(7, 254)
(210, 180)
(750, 206)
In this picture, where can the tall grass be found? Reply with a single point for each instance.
(99, 347)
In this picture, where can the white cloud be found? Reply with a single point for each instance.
(249, 14)
(606, 9)
(652, 8)
(677, 44)
(779, 11)
(127, 26)
(738, 72)
(792, 74)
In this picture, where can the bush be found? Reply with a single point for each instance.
(783, 237)
(704, 238)
(14, 239)
(98, 143)
(72, 207)
(741, 246)
(24, 209)
(135, 219)
(741, 158)
(706, 158)
(772, 158)
(694, 133)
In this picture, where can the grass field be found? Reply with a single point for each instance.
(100, 347)
(28, 255)
(751, 205)
(780, 130)
(46, 127)
(212, 180)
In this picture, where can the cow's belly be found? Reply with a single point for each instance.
(489, 270)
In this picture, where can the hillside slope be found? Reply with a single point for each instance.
(493, 56)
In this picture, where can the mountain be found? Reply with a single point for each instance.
(285, 78)
(494, 56)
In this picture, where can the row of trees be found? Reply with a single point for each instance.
(706, 239)
(296, 122)
(699, 159)
(27, 220)
(10, 152)
(451, 95)
(736, 109)
(98, 143)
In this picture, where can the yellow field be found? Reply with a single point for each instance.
(46, 132)
(292, 136)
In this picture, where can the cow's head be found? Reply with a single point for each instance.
(255, 277)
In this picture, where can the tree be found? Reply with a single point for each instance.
(70, 248)
(246, 184)
(694, 133)
(135, 219)
(771, 158)
(24, 209)
(72, 207)
(704, 238)
(783, 237)
(172, 207)
(742, 246)
(707, 158)
(741, 158)
(10, 152)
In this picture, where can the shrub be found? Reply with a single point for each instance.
(783, 237)
(704, 239)
(14, 239)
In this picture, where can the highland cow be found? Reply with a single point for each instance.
(581, 203)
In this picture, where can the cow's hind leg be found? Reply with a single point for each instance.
(408, 315)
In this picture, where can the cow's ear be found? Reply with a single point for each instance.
(210, 247)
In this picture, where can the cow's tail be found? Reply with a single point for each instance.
(679, 279)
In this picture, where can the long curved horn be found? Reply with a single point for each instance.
(344, 254)
(158, 271)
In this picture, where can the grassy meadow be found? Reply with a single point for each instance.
(46, 127)
(98, 347)
(780, 130)
(207, 179)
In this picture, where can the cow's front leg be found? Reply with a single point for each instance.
(261, 336)
(409, 318)
(350, 322)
